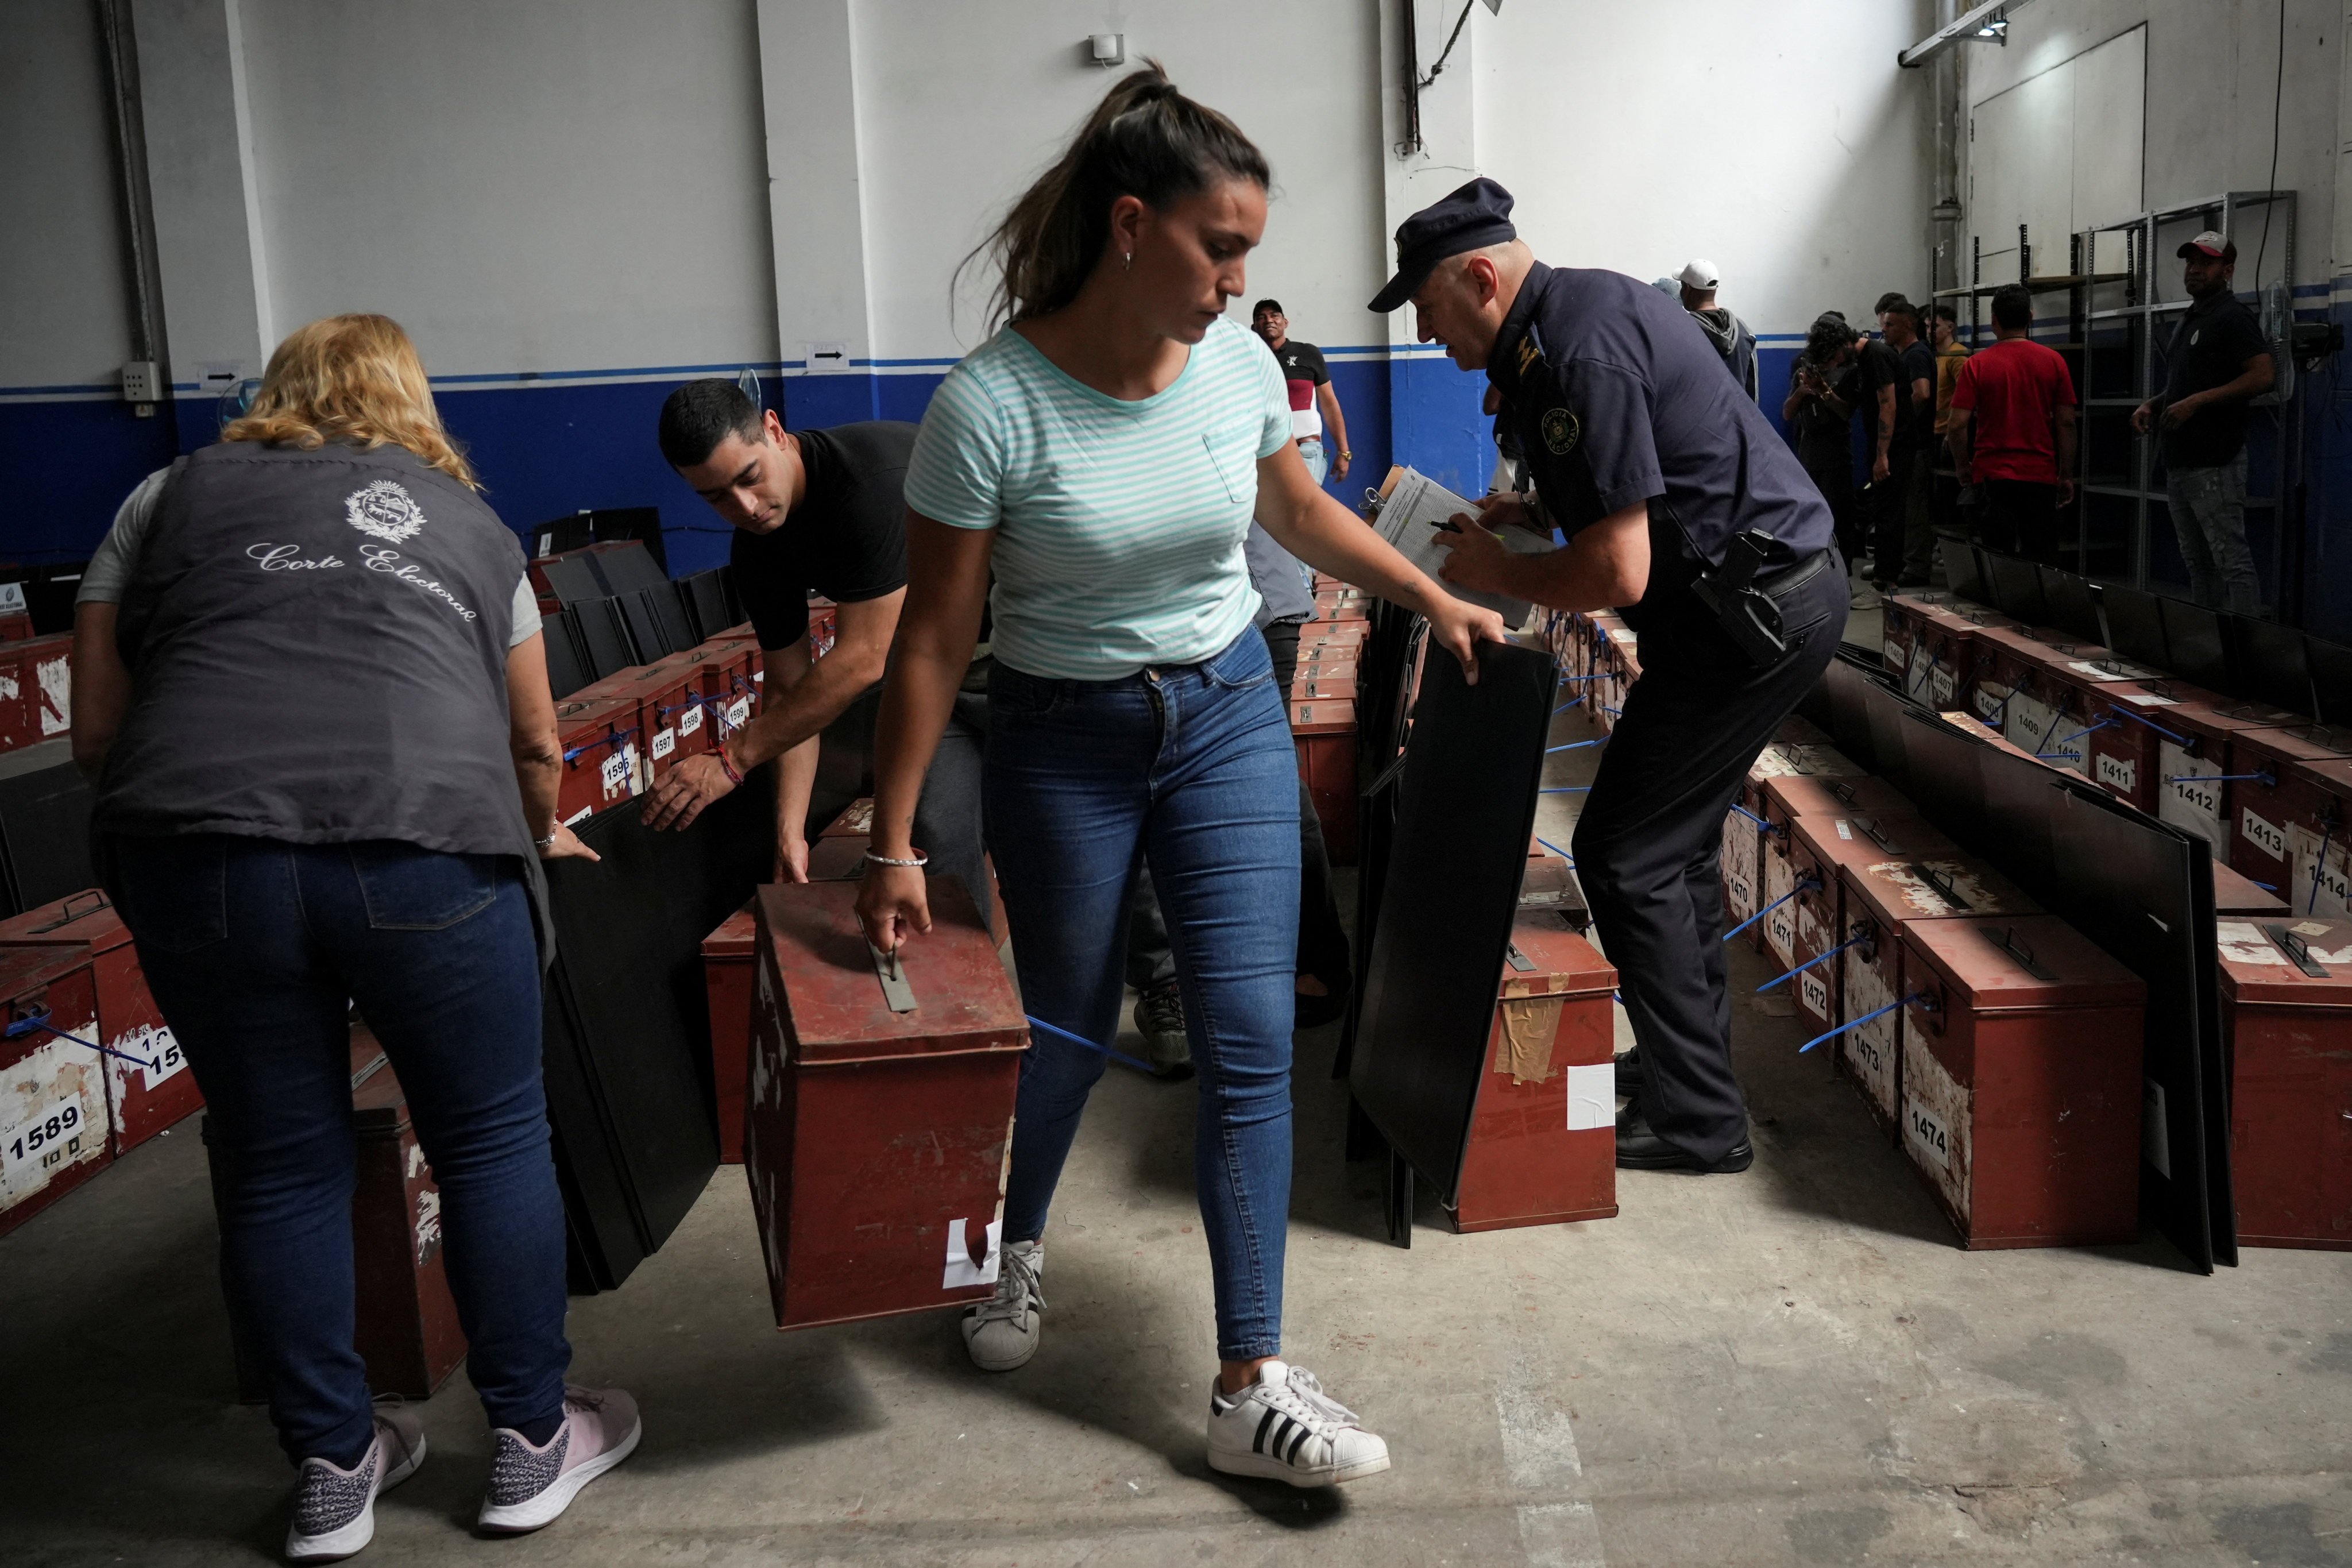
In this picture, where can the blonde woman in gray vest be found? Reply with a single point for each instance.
(313, 695)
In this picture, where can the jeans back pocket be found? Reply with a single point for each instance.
(410, 888)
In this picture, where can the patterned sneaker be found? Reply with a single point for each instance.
(530, 1487)
(334, 1509)
(1160, 1019)
(1285, 1427)
(1001, 1334)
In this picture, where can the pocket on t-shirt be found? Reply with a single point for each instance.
(1232, 451)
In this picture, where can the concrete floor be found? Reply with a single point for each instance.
(1794, 1365)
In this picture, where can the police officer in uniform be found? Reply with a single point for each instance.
(1683, 507)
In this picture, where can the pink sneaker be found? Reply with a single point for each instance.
(530, 1487)
(334, 1509)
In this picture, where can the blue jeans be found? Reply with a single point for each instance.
(1319, 461)
(255, 951)
(1192, 763)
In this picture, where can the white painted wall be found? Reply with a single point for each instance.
(533, 184)
(64, 313)
(1779, 142)
(961, 105)
(2211, 65)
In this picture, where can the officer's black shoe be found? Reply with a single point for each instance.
(1629, 1072)
(1638, 1148)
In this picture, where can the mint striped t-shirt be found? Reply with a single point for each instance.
(1120, 525)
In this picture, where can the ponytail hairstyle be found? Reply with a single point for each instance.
(1145, 139)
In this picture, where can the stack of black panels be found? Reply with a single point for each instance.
(44, 827)
(627, 1025)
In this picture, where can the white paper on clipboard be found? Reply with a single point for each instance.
(1413, 507)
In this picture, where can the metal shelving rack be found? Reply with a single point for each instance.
(2139, 317)
(2076, 283)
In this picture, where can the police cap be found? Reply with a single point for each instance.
(1476, 216)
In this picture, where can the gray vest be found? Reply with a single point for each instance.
(318, 645)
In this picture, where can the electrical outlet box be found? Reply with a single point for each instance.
(139, 382)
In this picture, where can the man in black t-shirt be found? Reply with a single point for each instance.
(1904, 536)
(2218, 361)
(1314, 406)
(816, 511)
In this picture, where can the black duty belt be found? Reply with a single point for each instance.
(1745, 601)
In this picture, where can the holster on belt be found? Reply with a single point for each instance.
(1745, 612)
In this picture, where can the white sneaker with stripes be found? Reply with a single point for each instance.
(1284, 1427)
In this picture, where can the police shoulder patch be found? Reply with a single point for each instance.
(1560, 432)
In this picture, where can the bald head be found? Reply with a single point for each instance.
(1463, 302)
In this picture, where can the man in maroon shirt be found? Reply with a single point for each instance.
(2011, 432)
(1314, 406)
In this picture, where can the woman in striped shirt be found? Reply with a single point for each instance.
(1103, 456)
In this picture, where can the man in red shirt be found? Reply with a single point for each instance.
(2011, 432)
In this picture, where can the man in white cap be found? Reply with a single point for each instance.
(2219, 360)
(1726, 331)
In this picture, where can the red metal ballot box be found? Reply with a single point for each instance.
(2126, 735)
(54, 1132)
(2291, 826)
(2286, 1014)
(1787, 795)
(1543, 1133)
(148, 1085)
(2196, 788)
(730, 973)
(45, 669)
(406, 1327)
(1899, 617)
(1942, 656)
(602, 766)
(1911, 873)
(1335, 679)
(2021, 1058)
(1814, 922)
(2238, 895)
(664, 691)
(1742, 855)
(881, 1107)
(1325, 733)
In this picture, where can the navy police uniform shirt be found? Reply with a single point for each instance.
(1622, 399)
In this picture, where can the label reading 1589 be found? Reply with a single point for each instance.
(45, 1135)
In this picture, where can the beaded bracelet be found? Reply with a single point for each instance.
(728, 768)
(920, 859)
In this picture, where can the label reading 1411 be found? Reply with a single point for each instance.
(2119, 774)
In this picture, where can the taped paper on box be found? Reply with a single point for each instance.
(1593, 1096)
(960, 1269)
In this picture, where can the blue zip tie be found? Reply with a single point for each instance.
(2088, 730)
(1858, 1023)
(2169, 734)
(2218, 778)
(1751, 817)
(601, 740)
(1558, 851)
(1810, 885)
(1824, 957)
(26, 1026)
(1564, 789)
(1576, 745)
(2319, 869)
(1574, 679)
(1038, 1023)
(1620, 712)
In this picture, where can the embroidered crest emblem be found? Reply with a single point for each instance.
(1561, 431)
(384, 511)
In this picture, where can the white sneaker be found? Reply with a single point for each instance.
(1001, 1334)
(334, 1509)
(530, 1487)
(1285, 1427)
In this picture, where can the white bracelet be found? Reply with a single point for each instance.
(920, 859)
